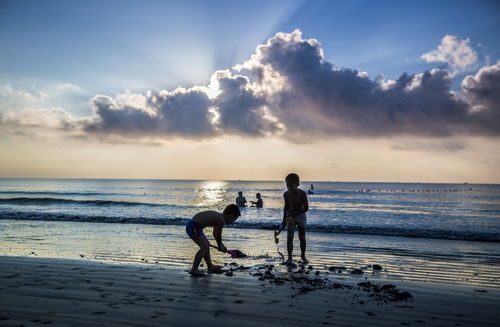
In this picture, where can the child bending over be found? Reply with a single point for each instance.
(194, 229)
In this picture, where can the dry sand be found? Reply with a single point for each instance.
(59, 292)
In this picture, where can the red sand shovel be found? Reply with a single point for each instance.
(233, 253)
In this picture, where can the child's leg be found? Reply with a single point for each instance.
(290, 227)
(302, 239)
(211, 267)
(208, 259)
(204, 250)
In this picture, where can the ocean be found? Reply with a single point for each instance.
(434, 232)
(439, 211)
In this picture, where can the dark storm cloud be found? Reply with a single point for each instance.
(183, 113)
(187, 113)
(483, 93)
(323, 100)
(241, 110)
(288, 89)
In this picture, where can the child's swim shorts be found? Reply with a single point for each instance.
(194, 230)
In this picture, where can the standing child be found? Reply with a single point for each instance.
(194, 229)
(294, 215)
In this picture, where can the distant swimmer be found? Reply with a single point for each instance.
(240, 200)
(311, 190)
(259, 203)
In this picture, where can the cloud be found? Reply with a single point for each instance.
(430, 145)
(180, 113)
(67, 87)
(227, 106)
(482, 91)
(240, 109)
(14, 98)
(320, 100)
(51, 118)
(24, 113)
(456, 53)
(287, 89)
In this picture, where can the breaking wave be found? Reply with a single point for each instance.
(336, 229)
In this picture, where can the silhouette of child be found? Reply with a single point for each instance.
(294, 215)
(194, 229)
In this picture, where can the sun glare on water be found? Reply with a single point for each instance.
(211, 193)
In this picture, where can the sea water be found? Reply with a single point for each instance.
(435, 232)
(440, 211)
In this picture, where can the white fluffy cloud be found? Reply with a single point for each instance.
(456, 53)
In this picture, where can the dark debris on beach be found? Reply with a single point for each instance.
(304, 279)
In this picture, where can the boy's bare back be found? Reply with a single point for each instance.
(296, 201)
(209, 218)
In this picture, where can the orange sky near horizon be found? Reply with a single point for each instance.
(233, 158)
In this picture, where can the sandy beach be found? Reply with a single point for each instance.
(63, 292)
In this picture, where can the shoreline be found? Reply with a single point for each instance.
(83, 293)
(443, 261)
(415, 233)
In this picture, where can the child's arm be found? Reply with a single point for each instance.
(286, 208)
(218, 237)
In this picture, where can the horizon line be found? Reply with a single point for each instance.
(244, 180)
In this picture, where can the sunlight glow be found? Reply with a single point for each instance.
(211, 192)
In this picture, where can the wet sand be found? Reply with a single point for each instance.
(64, 292)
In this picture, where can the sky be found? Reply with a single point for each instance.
(388, 91)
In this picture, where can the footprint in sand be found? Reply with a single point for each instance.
(11, 276)
(113, 305)
(157, 314)
(218, 313)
